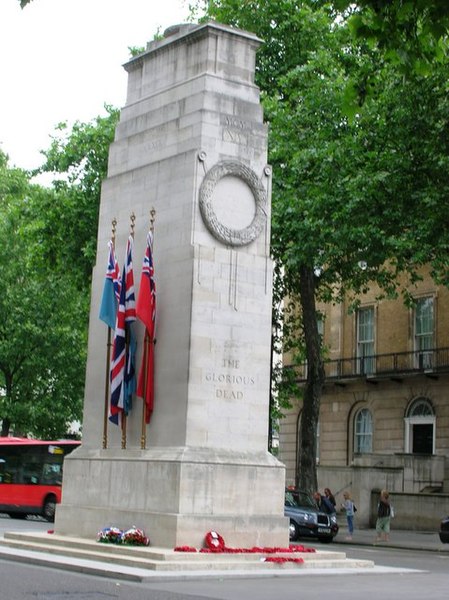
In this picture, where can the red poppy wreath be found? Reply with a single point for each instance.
(214, 541)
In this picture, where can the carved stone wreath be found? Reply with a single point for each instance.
(227, 235)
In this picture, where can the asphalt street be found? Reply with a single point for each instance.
(29, 582)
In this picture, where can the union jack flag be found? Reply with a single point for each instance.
(146, 312)
(123, 379)
(111, 289)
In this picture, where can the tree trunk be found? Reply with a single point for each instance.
(6, 425)
(6, 421)
(307, 474)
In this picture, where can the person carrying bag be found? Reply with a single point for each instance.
(384, 510)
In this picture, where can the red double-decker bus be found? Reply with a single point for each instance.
(31, 475)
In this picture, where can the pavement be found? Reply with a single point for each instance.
(399, 538)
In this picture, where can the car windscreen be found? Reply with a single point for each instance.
(300, 499)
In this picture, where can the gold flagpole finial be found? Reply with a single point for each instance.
(113, 229)
(133, 223)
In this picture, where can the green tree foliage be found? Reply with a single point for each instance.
(78, 158)
(49, 241)
(411, 33)
(42, 343)
(355, 200)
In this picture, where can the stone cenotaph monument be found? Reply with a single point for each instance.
(191, 143)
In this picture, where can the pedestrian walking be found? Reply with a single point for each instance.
(330, 496)
(383, 517)
(323, 503)
(349, 508)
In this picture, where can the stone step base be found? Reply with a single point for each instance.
(137, 562)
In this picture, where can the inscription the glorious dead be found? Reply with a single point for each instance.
(229, 385)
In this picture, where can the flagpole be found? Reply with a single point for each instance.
(147, 342)
(127, 342)
(108, 363)
(106, 390)
(143, 437)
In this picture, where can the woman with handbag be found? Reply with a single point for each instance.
(383, 517)
(349, 508)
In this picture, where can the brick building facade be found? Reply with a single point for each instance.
(384, 417)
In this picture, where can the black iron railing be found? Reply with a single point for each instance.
(392, 364)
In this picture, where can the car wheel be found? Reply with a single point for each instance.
(49, 508)
(293, 531)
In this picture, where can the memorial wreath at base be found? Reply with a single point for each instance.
(214, 543)
(130, 537)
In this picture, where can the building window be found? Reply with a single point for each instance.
(424, 328)
(365, 340)
(420, 427)
(363, 432)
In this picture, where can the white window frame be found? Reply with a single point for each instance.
(365, 347)
(411, 419)
(423, 341)
(367, 434)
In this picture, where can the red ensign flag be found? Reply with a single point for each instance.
(146, 312)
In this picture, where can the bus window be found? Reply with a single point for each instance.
(52, 474)
(31, 472)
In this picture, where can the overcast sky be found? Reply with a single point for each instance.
(61, 60)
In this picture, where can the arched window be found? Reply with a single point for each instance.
(363, 432)
(420, 408)
(420, 427)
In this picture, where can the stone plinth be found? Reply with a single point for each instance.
(191, 143)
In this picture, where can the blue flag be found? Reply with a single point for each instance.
(111, 290)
